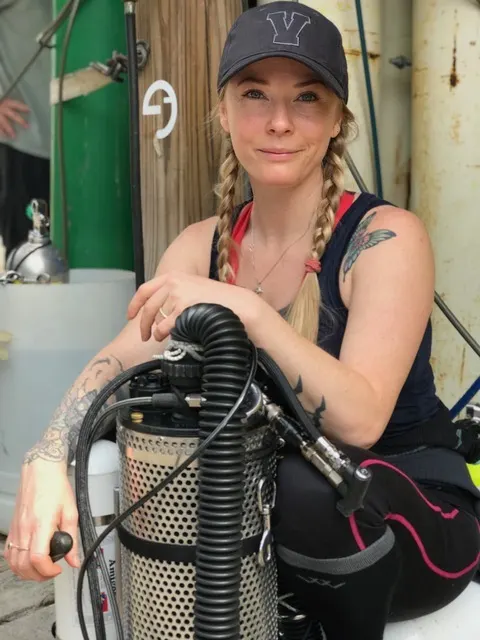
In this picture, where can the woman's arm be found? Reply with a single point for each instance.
(58, 443)
(390, 297)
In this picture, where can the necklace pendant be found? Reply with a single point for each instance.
(258, 289)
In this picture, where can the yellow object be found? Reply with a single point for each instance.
(474, 470)
(5, 338)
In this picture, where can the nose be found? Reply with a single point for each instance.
(280, 120)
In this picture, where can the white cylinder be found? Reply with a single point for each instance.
(446, 173)
(343, 14)
(394, 114)
(55, 330)
(103, 475)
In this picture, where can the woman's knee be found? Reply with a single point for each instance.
(306, 517)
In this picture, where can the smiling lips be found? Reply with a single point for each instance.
(278, 153)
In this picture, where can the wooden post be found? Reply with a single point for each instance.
(180, 155)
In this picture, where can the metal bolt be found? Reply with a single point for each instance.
(401, 62)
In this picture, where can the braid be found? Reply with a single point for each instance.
(229, 171)
(333, 181)
(304, 312)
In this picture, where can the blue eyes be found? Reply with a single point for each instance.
(255, 94)
(308, 97)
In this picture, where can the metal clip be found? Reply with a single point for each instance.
(265, 552)
(113, 68)
(12, 277)
(9, 277)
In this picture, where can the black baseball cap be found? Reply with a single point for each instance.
(289, 30)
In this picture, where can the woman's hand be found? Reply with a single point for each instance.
(11, 114)
(170, 294)
(45, 504)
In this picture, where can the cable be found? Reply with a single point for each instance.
(135, 164)
(307, 632)
(355, 173)
(465, 399)
(98, 431)
(70, 10)
(60, 130)
(371, 104)
(25, 69)
(43, 40)
(469, 339)
(119, 519)
(81, 482)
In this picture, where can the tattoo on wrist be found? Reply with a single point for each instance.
(363, 239)
(59, 441)
(317, 415)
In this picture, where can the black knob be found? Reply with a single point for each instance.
(60, 544)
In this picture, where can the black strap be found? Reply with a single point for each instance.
(182, 553)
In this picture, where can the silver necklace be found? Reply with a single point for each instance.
(258, 288)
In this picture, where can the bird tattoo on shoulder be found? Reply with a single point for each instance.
(363, 239)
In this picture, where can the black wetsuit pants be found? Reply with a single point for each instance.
(410, 551)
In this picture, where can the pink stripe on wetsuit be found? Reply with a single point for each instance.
(396, 517)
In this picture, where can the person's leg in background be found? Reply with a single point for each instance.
(407, 553)
(22, 178)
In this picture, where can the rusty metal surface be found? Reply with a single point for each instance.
(343, 14)
(446, 173)
(388, 25)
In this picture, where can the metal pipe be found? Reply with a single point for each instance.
(135, 167)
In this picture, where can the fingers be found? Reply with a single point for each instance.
(6, 128)
(19, 558)
(142, 295)
(69, 523)
(15, 117)
(15, 104)
(40, 561)
(150, 311)
(162, 329)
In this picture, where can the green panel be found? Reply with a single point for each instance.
(96, 143)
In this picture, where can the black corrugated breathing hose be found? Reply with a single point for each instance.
(227, 358)
(84, 444)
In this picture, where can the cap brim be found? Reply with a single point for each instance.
(324, 74)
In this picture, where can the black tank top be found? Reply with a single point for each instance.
(418, 409)
(417, 401)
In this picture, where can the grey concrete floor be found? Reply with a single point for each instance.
(26, 608)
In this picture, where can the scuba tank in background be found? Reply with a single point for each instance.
(103, 474)
(37, 260)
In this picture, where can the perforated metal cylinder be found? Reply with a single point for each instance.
(158, 594)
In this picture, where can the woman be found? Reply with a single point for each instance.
(357, 359)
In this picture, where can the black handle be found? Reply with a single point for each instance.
(60, 544)
(357, 487)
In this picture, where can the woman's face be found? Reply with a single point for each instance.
(280, 119)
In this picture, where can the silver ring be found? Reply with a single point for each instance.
(11, 545)
(162, 313)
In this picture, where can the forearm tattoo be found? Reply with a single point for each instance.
(59, 441)
(317, 415)
(361, 240)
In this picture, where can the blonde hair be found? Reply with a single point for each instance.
(303, 314)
